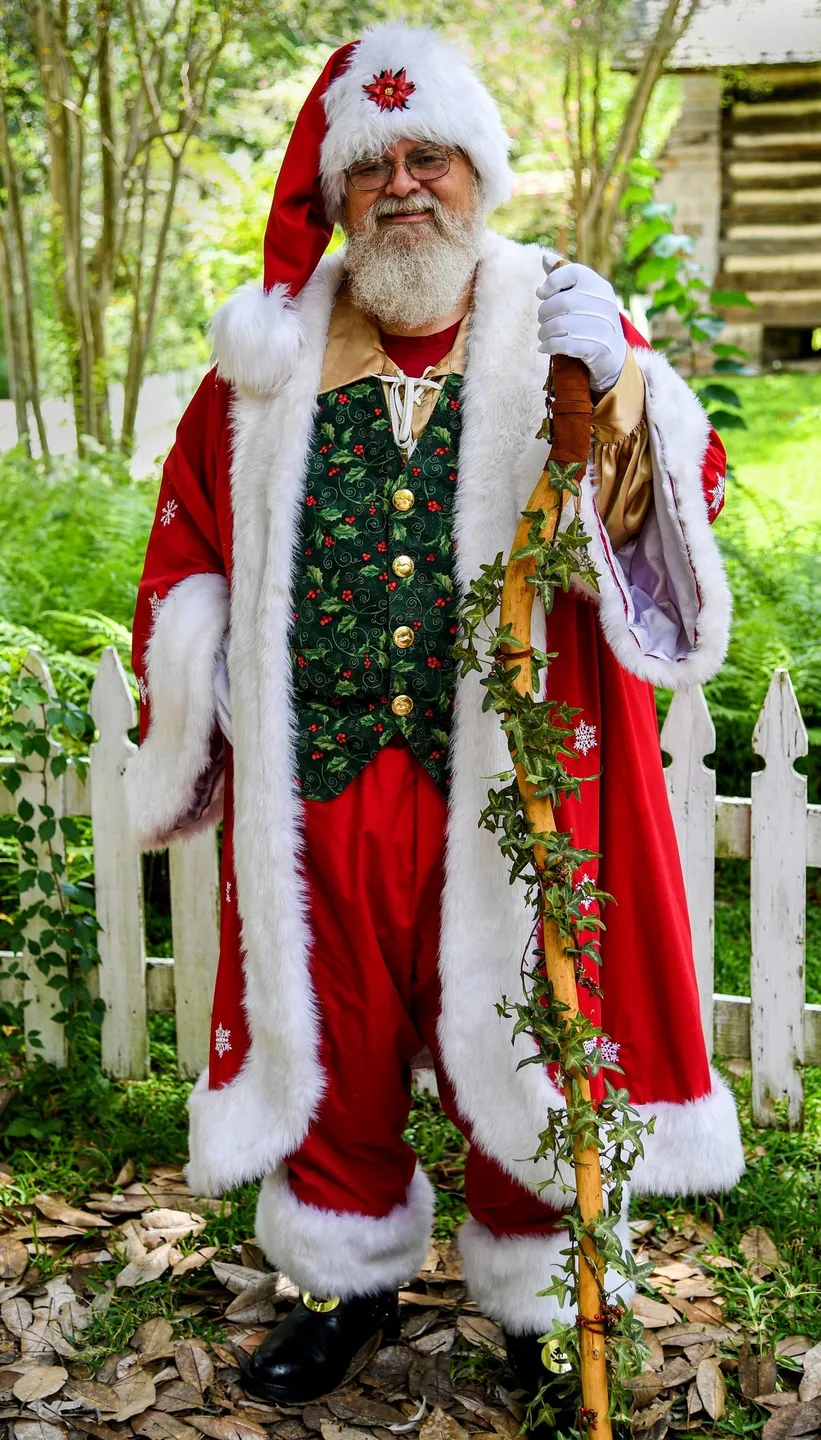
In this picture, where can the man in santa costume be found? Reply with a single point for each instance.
(363, 444)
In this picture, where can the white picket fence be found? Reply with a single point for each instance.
(776, 829)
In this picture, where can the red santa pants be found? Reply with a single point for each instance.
(374, 868)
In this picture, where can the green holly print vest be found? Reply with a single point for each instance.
(374, 610)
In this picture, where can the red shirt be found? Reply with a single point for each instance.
(414, 353)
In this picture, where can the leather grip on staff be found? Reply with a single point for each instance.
(571, 411)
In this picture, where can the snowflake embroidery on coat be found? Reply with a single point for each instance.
(584, 738)
(581, 888)
(389, 91)
(717, 494)
(142, 686)
(156, 605)
(169, 510)
(228, 892)
(222, 1041)
(608, 1048)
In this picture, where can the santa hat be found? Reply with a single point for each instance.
(395, 83)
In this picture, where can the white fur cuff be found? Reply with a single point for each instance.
(504, 1276)
(161, 779)
(331, 1253)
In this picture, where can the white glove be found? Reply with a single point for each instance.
(222, 692)
(579, 316)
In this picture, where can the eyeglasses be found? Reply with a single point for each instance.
(426, 163)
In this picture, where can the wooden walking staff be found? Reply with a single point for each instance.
(571, 418)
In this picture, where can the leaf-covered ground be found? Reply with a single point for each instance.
(127, 1304)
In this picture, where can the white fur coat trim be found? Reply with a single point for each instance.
(664, 602)
(181, 662)
(331, 1253)
(449, 103)
(695, 1147)
(243, 1131)
(505, 1274)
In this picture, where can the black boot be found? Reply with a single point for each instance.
(319, 1345)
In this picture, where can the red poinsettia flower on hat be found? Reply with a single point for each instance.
(389, 91)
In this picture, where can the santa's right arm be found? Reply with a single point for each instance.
(174, 782)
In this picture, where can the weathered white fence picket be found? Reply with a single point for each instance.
(774, 1028)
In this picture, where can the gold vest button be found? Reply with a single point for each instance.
(403, 636)
(403, 565)
(403, 499)
(401, 704)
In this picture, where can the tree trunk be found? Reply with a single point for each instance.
(21, 262)
(601, 209)
(65, 144)
(103, 265)
(14, 347)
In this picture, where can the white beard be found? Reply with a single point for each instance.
(408, 276)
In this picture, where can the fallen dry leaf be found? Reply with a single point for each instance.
(412, 1297)
(653, 1314)
(177, 1396)
(810, 1387)
(156, 1425)
(146, 1268)
(225, 1427)
(656, 1354)
(712, 1388)
(238, 1278)
(793, 1422)
(94, 1396)
(778, 1400)
(436, 1342)
(39, 1382)
(16, 1315)
(194, 1261)
(194, 1365)
(655, 1415)
(759, 1249)
(125, 1175)
(440, 1426)
(153, 1339)
(58, 1210)
(756, 1373)
(479, 1331)
(39, 1430)
(13, 1258)
(388, 1370)
(335, 1430)
(793, 1347)
(136, 1393)
(356, 1409)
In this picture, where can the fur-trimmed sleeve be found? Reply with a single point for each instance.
(664, 601)
(174, 782)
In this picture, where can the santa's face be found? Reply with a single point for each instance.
(414, 243)
(455, 191)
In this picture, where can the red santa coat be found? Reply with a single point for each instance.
(222, 547)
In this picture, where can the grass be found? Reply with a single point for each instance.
(777, 459)
(732, 930)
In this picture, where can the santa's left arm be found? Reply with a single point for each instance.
(654, 485)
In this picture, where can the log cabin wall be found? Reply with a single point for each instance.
(770, 224)
(743, 168)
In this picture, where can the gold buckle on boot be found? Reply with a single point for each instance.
(320, 1307)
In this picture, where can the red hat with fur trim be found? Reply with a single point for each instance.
(395, 83)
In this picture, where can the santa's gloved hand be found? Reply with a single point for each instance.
(222, 692)
(579, 316)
